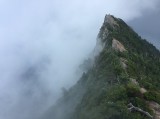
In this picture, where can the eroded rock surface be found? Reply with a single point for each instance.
(118, 46)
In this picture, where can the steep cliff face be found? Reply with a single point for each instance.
(123, 83)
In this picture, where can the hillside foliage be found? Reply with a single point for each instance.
(108, 87)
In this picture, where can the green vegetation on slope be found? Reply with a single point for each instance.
(108, 87)
(111, 90)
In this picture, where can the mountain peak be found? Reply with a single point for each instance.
(110, 20)
(123, 82)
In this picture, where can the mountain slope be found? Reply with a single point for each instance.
(123, 82)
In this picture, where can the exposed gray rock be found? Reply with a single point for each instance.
(110, 20)
(118, 46)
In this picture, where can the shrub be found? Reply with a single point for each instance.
(133, 90)
(152, 96)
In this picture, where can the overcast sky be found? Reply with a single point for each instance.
(42, 43)
(148, 25)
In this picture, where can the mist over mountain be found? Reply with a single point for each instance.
(47, 46)
(122, 83)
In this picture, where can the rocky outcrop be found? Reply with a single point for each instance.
(143, 90)
(134, 81)
(123, 63)
(110, 20)
(156, 109)
(118, 46)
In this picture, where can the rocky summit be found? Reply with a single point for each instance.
(122, 83)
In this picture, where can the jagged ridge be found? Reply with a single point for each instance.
(125, 72)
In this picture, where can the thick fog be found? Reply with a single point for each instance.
(42, 44)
